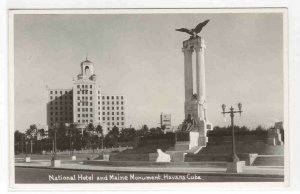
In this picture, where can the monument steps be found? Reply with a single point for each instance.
(269, 160)
(254, 147)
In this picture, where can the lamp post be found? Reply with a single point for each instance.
(234, 157)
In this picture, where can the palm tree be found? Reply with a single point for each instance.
(99, 132)
(31, 134)
(40, 136)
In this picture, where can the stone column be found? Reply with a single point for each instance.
(200, 78)
(188, 75)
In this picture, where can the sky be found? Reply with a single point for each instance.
(139, 55)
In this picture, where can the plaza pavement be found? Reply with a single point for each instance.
(258, 171)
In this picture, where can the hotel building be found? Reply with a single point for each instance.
(85, 103)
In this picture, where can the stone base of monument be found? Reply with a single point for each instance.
(105, 157)
(162, 157)
(194, 139)
(73, 158)
(274, 137)
(27, 159)
(55, 163)
(235, 167)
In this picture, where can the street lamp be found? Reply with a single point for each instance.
(234, 157)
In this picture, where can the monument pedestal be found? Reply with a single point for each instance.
(235, 167)
(55, 163)
(27, 159)
(73, 157)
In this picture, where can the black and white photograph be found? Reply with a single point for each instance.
(147, 96)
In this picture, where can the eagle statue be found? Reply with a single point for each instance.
(193, 32)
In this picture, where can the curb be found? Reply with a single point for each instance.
(148, 172)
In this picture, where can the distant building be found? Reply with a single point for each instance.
(165, 122)
(85, 103)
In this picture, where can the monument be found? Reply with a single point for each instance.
(195, 106)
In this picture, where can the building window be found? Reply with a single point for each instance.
(78, 92)
(90, 86)
(107, 118)
(117, 123)
(91, 115)
(112, 97)
(103, 97)
(91, 92)
(103, 103)
(78, 86)
(122, 113)
(91, 104)
(117, 108)
(60, 92)
(117, 102)
(103, 107)
(55, 92)
(122, 103)
(117, 118)
(51, 92)
(98, 113)
(113, 108)
(112, 113)
(112, 118)
(122, 108)
(107, 103)
(91, 98)
(122, 123)
(107, 108)
(103, 113)
(91, 109)
(78, 98)
(117, 113)
(78, 109)
(122, 118)
(113, 103)
(122, 97)
(103, 118)
(78, 115)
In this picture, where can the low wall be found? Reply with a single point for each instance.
(248, 158)
(238, 138)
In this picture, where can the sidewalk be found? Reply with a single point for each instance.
(258, 171)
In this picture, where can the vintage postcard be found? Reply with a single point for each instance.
(114, 99)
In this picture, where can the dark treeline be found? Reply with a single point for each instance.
(71, 138)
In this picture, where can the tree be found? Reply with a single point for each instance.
(156, 131)
(40, 136)
(31, 134)
(89, 135)
(143, 131)
(99, 132)
(127, 134)
(18, 137)
(112, 136)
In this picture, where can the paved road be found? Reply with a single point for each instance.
(44, 175)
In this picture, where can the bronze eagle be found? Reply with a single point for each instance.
(193, 32)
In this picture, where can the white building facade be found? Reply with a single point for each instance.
(89, 105)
